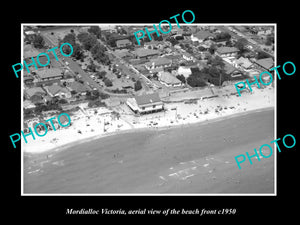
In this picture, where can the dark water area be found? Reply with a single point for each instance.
(124, 163)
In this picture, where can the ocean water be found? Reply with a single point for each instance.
(140, 161)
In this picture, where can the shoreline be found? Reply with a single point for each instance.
(142, 129)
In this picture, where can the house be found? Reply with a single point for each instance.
(142, 53)
(123, 43)
(123, 53)
(265, 64)
(202, 35)
(58, 91)
(79, 88)
(49, 74)
(159, 62)
(30, 52)
(27, 104)
(232, 72)
(35, 94)
(168, 79)
(244, 63)
(28, 80)
(145, 103)
(185, 71)
(154, 45)
(225, 51)
(187, 56)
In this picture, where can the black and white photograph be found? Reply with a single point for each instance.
(137, 111)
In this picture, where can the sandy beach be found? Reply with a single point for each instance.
(94, 123)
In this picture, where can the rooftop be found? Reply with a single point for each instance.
(159, 61)
(54, 89)
(147, 99)
(266, 63)
(203, 34)
(35, 90)
(123, 41)
(49, 73)
(226, 50)
(141, 52)
(168, 78)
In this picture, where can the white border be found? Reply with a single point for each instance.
(148, 194)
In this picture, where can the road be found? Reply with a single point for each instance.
(194, 159)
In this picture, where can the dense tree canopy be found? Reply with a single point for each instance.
(137, 85)
(38, 41)
(95, 30)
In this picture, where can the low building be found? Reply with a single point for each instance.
(58, 91)
(142, 53)
(202, 35)
(146, 103)
(35, 94)
(78, 88)
(159, 62)
(187, 56)
(123, 43)
(49, 74)
(28, 80)
(243, 63)
(265, 64)
(225, 51)
(168, 79)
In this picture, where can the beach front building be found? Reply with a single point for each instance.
(145, 103)
(168, 79)
(264, 64)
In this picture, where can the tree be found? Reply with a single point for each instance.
(197, 78)
(240, 44)
(101, 74)
(212, 49)
(95, 30)
(201, 48)
(38, 41)
(269, 40)
(87, 40)
(137, 85)
(69, 38)
(108, 82)
(223, 36)
(216, 62)
(181, 78)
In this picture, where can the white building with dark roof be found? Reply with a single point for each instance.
(145, 103)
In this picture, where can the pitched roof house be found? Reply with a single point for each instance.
(58, 91)
(245, 63)
(145, 103)
(158, 62)
(49, 74)
(145, 53)
(265, 64)
(225, 51)
(168, 79)
(202, 35)
(123, 43)
(81, 89)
